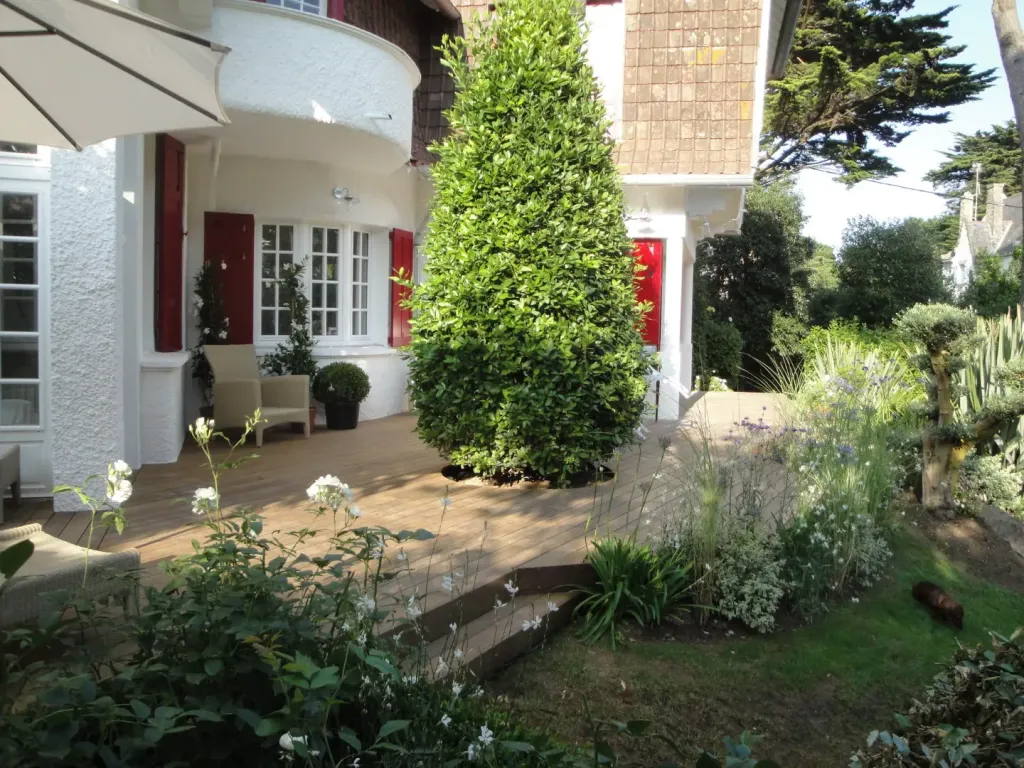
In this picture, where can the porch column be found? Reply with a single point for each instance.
(686, 370)
(131, 205)
(86, 320)
(674, 330)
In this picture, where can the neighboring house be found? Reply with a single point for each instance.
(998, 232)
(332, 106)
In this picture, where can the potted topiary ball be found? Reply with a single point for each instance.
(341, 387)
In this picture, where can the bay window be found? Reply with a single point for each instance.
(306, 6)
(337, 279)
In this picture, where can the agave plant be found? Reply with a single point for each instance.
(1002, 341)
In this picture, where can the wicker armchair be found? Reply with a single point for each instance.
(238, 390)
(56, 565)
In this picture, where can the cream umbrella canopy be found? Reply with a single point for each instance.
(76, 72)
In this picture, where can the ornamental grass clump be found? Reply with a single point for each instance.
(526, 354)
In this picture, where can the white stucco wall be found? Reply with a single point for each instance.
(87, 384)
(606, 48)
(296, 65)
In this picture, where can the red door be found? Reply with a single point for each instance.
(170, 236)
(229, 241)
(401, 262)
(648, 286)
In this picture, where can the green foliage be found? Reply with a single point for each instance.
(861, 76)
(788, 333)
(748, 580)
(997, 150)
(294, 357)
(970, 714)
(987, 480)
(1001, 347)
(992, 289)
(633, 582)
(208, 309)
(341, 383)
(883, 341)
(525, 352)
(739, 753)
(747, 279)
(252, 652)
(885, 267)
(717, 350)
(941, 328)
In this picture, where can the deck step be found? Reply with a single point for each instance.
(495, 638)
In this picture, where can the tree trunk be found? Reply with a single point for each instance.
(936, 490)
(1011, 47)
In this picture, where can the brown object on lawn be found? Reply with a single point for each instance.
(939, 602)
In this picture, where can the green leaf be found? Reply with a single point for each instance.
(390, 727)
(269, 727)
(213, 666)
(518, 746)
(14, 557)
(707, 760)
(141, 709)
(347, 735)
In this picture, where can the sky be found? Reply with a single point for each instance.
(829, 205)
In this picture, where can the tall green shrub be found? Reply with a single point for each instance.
(525, 350)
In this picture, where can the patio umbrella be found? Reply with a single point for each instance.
(75, 72)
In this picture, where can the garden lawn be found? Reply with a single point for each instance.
(814, 692)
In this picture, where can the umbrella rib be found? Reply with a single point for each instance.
(113, 62)
(27, 33)
(40, 109)
(153, 24)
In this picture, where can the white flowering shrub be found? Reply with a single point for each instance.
(260, 648)
(748, 578)
(987, 480)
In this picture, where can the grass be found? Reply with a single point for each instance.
(813, 691)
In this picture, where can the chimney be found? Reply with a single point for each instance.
(994, 214)
(967, 210)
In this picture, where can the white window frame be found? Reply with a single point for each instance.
(302, 245)
(41, 288)
(324, 282)
(321, 5)
(298, 248)
(367, 259)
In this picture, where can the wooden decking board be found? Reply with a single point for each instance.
(398, 485)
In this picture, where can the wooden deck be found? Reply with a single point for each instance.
(485, 532)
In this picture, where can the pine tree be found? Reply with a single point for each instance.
(526, 354)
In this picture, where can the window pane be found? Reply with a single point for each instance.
(318, 267)
(332, 267)
(332, 240)
(269, 266)
(318, 294)
(269, 237)
(284, 321)
(267, 322)
(18, 215)
(318, 239)
(362, 331)
(332, 295)
(19, 149)
(286, 238)
(332, 323)
(284, 260)
(18, 310)
(268, 297)
(366, 244)
(355, 297)
(19, 405)
(18, 262)
(318, 323)
(363, 289)
(355, 323)
(19, 358)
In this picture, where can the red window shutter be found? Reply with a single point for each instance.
(229, 239)
(401, 260)
(648, 286)
(336, 10)
(170, 237)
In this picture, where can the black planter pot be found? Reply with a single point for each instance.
(342, 415)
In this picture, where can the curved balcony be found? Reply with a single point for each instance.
(300, 86)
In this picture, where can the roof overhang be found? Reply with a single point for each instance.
(784, 43)
(444, 7)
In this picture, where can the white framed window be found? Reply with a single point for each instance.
(340, 280)
(325, 280)
(360, 306)
(277, 251)
(316, 7)
(20, 382)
